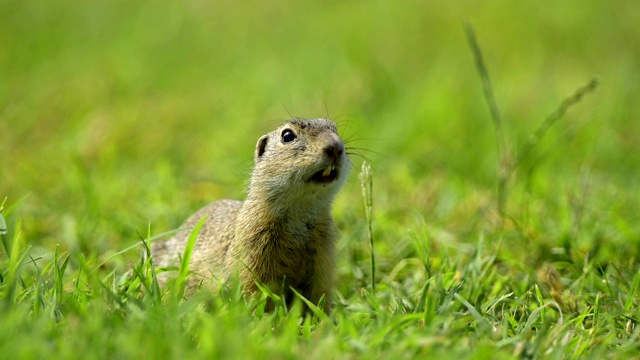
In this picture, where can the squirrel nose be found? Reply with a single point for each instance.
(334, 149)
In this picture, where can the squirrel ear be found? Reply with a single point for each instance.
(261, 147)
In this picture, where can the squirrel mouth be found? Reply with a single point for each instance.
(325, 176)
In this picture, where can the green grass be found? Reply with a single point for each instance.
(120, 119)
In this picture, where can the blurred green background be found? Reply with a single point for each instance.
(116, 115)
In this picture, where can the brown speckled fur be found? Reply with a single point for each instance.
(283, 233)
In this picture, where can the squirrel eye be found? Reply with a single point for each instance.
(288, 136)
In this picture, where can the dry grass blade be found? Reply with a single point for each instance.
(367, 186)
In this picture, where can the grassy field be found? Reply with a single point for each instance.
(119, 119)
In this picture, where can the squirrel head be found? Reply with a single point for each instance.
(302, 157)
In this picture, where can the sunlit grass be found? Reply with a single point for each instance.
(119, 119)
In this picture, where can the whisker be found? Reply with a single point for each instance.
(350, 148)
(355, 134)
(354, 155)
(287, 110)
(353, 139)
(373, 167)
(353, 165)
(344, 121)
(361, 156)
(343, 126)
(326, 108)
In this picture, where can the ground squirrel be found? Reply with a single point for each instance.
(283, 234)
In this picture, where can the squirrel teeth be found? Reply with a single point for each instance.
(328, 170)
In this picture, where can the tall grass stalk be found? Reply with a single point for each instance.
(507, 166)
(501, 143)
(366, 183)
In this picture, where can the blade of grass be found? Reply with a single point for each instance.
(183, 271)
(59, 270)
(154, 287)
(3, 226)
(503, 161)
(537, 314)
(150, 239)
(553, 117)
(316, 310)
(483, 324)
